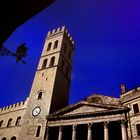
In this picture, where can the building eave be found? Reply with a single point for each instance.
(89, 114)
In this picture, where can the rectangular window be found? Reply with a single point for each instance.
(136, 108)
(138, 129)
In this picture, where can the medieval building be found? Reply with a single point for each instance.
(45, 115)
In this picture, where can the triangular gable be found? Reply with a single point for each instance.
(85, 109)
(82, 107)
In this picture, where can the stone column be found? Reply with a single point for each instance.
(60, 133)
(123, 129)
(74, 132)
(47, 133)
(89, 137)
(106, 134)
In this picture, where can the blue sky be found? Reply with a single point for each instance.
(107, 48)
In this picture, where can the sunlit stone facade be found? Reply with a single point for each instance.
(45, 115)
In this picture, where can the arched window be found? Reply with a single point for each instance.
(40, 95)
(1, 123)
(44, 63)
(55, 44)
(62, 64)
(38, 131)
(18, 121)
(9, 122)
(13, 138)
(49, 46)
(52, 61)
(65, 48)
(3, 138)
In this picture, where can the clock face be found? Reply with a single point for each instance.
(36, 111)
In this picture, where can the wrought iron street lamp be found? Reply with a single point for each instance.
(19, 54)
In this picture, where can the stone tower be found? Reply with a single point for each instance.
(50, 88)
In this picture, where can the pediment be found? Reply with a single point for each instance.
(85, 109)
(82, 107)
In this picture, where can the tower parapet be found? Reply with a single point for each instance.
(59, 30)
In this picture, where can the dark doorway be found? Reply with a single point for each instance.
(67, 133)
(81, 132)
(114, 131)
(53, 133)
(98, 131)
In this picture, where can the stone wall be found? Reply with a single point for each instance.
(12, 112)
(129, 99)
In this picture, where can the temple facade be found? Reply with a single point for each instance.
(46, 115)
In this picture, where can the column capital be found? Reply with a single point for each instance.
(89, 125)
(123, 122)
(106, 124)
(60, 128)
(74, 127)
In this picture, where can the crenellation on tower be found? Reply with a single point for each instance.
(59, 30)
(69, 36)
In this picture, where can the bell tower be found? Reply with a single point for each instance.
(50, 88)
